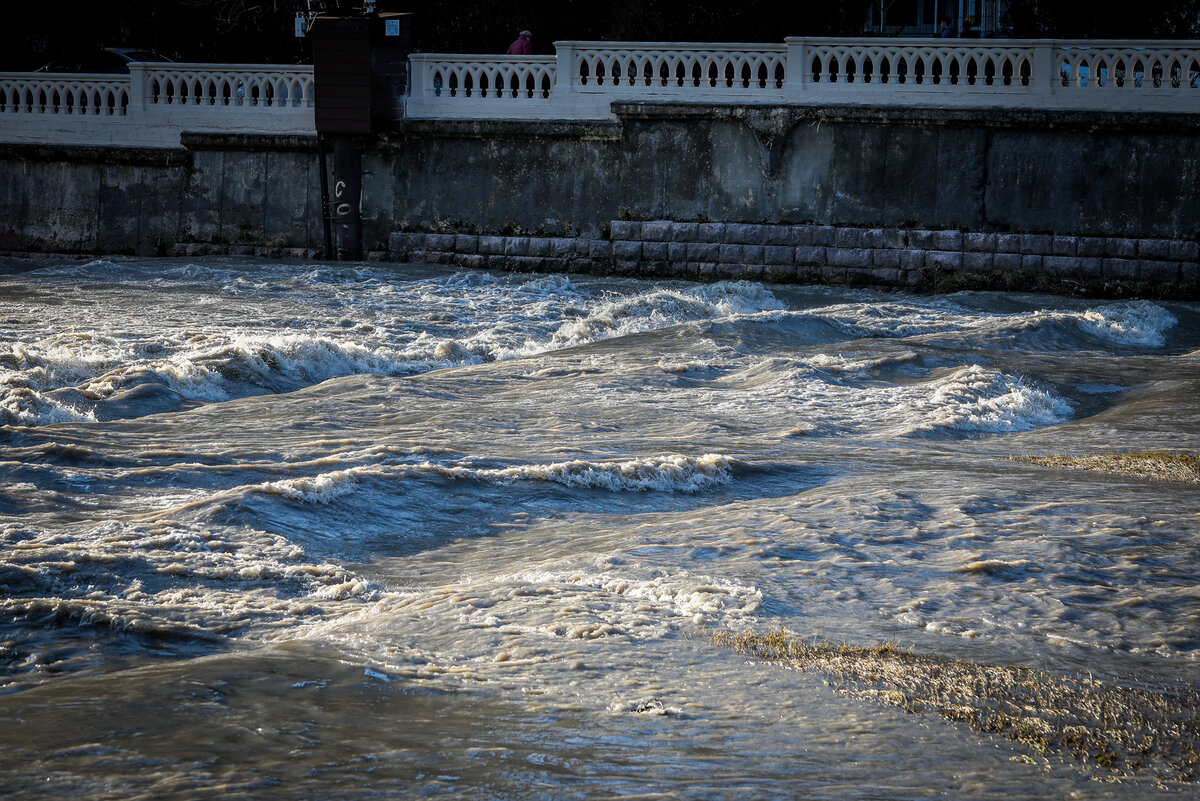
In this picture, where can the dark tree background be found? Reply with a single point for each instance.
(1105, 19)
(67, 35)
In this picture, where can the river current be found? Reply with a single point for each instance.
(357, 531)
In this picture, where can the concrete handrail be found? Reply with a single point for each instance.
(972, 73)
(62, 93)
(241, 85)
(155, 102)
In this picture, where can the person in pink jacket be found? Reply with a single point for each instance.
(521, 47)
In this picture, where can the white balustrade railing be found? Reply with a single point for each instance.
(1129, 67)
(241, 86)
(21, 93)
(482, 77)
(738, 69)
(982, 73)
(921, 65)
(154, 103)
(470, 86)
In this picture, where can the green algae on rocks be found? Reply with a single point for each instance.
(1122, 731)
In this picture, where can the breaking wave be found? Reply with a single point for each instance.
(1139, 322)
(976, 400)
(671, 473)
(665, 307)
(23, 405)
(837, 397)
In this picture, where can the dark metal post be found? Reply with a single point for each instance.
(347, 198)
(326, 234)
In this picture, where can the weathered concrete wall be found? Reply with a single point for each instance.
(249, 191)
(89, 200)
(1116, 196)
(1069, 173)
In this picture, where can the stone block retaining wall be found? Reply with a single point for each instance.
(893, 257)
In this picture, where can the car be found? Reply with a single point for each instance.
(109, 60)
(129, 55)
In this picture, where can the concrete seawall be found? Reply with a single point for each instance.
(922, 198)
(940, 260)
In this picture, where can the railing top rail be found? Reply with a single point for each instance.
(604, 45)
(220, 68)
(63, 76)
(913, 41)
(957, 42)
(481, 58)
(1178, 44)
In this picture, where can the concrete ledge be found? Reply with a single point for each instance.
(249, 141)
(80, 154)
(782, 117)
(585, 130)
(889, 257)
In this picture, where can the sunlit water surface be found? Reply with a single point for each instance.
(284, 531)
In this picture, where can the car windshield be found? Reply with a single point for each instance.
(142, 55)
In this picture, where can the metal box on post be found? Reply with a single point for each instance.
(391, 43)
(360, 67)
(342, 74)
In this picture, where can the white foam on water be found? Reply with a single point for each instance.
(23, 405)
(202, 369)
(170, 577)
(836, 363)
(889, 319)
(320, 489)
(331, 323)
(960, 401)
(540, 624)
(665, 307)
(701, 600)
(1138, 322)
(977, 400)
(671, 473)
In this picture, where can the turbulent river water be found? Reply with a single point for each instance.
(310, 531)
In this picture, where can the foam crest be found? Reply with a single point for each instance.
(964, 401)
(24, 405)
(304, 358)
(281, 363)
(320, 489)
(836, 363)
(673, 473)
(1138, 322)
(894, 320)
(666, 307)
(976, 400)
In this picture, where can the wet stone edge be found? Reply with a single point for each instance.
(908, 258)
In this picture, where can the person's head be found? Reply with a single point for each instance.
(526, 35)
(945, 22)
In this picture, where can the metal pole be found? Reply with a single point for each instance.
(347, 198)
(326, 233)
